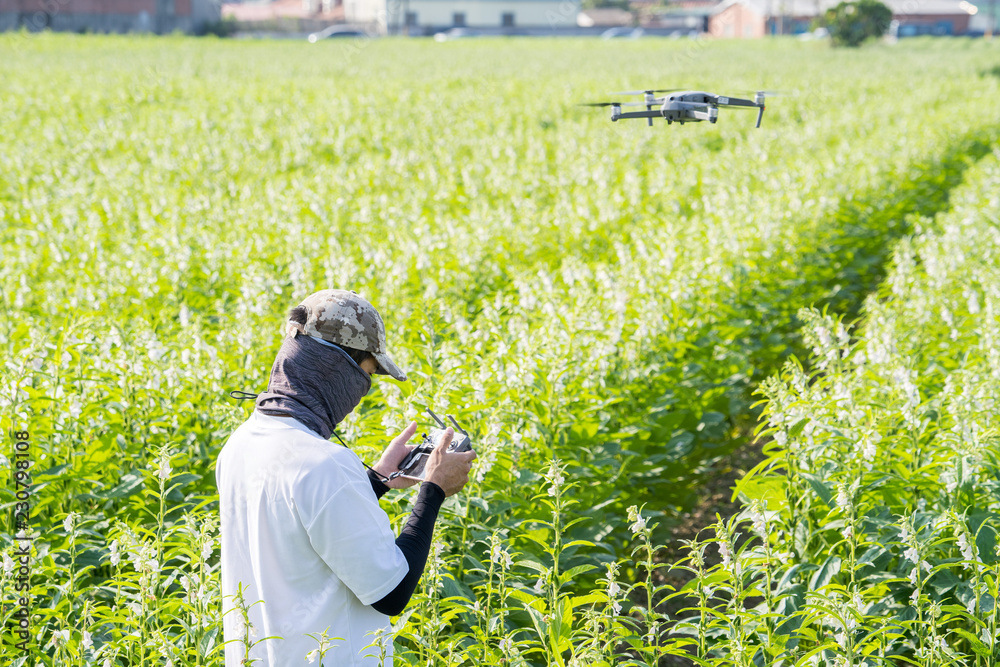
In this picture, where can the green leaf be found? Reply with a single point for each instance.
(825, 574)
(979, 647)
(821, 488)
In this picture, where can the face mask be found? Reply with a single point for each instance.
(349, 359)
(314, 384)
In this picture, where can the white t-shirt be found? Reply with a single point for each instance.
(303, 531)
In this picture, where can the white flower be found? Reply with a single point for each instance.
(87, 640)
(867, 448)
(506, 644)
(912, 555)
(554, 477)
(312, 655)
(759, 521)
(638, 522)
(486, 464)
(206, 549)
(616, 608)
(108, 663)
(115, 555)
(725, 552)
(8, 564)
(164, 470)
(556, 480)
(540, 585)
(913, 576)
(848, 532)
(843, 500)
(500, 556)
(69, 522)
(613, 589)
(964, 546)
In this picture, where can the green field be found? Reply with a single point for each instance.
(599, 301)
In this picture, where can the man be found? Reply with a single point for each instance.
(302, 530)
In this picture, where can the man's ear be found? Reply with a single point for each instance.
(299, 315)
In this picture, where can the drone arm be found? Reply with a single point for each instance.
(760, 114)
(735, 102)
(655, 113)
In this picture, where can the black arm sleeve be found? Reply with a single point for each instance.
(415, 543)
(378, 486)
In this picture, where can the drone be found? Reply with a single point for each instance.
(681, 106)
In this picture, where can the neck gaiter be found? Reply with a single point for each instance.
(316, 384)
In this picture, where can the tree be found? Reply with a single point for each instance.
(851, 23)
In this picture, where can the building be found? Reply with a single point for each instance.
(429, 16)
(605, 17)
(288, 16)
(757, 18)
(155, 16)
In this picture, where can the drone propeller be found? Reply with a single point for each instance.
(777, 93)
(620, 104)
(648, 92)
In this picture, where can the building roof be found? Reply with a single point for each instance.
(817, 7)
(604, 16)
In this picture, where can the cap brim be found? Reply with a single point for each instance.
(387, 366)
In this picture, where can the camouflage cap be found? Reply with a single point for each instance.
(346, 319)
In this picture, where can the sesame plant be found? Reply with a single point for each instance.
(881, 474)
(599, 322)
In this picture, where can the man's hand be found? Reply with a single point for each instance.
(449, 470)
(394, 455)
